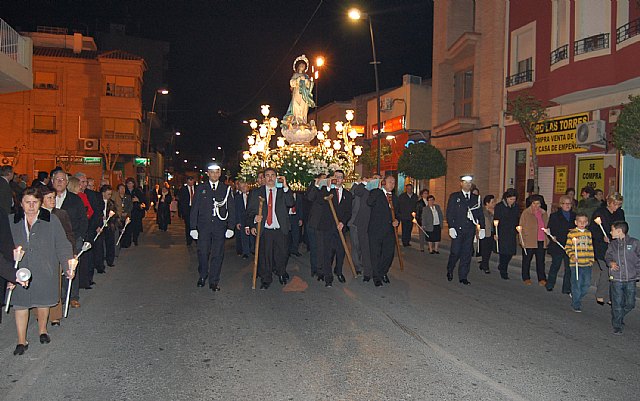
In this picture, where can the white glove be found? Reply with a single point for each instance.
(482, 234)
(452, 233)
(228, 234)
(193, 234)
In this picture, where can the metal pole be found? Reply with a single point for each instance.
(375, 70)
(149, 120)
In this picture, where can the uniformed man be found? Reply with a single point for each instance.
(212, 220)
(464, 214)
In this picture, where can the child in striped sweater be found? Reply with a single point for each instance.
(579, 247)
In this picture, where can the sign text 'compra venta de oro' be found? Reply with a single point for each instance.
(558, 135)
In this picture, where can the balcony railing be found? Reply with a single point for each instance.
(519, 78)
(628, 31)
(590, 44)
(559, 54)
(120, 135)
(14, 46)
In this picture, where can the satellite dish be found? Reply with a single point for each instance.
(582, 134)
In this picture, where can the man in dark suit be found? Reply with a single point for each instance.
(6, 194)
(212, 218)
(185, 200)
(382, 229)
(274, 244)
(464, 212)
(95, 223)
(242, 202)
(73, 205)
(311, 228)
(329, 241)
(407, 205)
(358, 229)
(296, 217)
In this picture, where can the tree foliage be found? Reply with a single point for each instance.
(369, 158)
(528, 111)
(626, 134)
(422, 161)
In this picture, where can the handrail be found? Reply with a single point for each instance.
(14, 45)
(628, 30)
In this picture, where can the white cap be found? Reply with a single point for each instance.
(213, 167)
(466, 178)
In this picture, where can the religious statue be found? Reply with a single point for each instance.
(301, 96)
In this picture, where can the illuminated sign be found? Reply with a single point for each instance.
(558, 135)
(92, 160)
(140, 161)
(391, 125)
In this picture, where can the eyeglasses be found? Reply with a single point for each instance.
(60, 179)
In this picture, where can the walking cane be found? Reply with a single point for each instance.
(85, 247)
(18, 253)
(255, 257)
(126, 223)
(344, 242)
(395, 234)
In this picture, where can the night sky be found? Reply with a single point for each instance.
(229, 56)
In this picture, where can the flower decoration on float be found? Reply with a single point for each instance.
(300, 161)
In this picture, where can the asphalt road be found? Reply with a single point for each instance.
(145, 332)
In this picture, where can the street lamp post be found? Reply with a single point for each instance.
(356, 14)
(316, 76)
(152, 114)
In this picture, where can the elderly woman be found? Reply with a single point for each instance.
(533, 220)
(429, 216)
(560, 222)
(608, 215)
(163, 217)
(488, 243)
(506, 213)
(49, 203)
(46, 247)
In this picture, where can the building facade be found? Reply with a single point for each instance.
(579, 57)
(84, 112)
(468, 92)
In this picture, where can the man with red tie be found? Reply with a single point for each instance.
(382, 229)
(185, 200)
(274, 242)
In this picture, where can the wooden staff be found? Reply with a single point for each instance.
(395, 234)
(255, 258)
(344, 242)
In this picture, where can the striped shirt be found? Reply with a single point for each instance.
(584, 247)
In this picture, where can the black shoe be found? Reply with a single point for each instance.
(328, 284)
(437, 252)
(92, 283)
(87, 288)
(20, 349)
(487, 271)
(201, 282)
(366, 278)
(385, 279)
(135, 243)
(406, 245)
(549, 289)
(214, 287)
(313, 274)
(465, 281)
(283, 280)
(296, 253)
(358, 274)
(45, 339)
(341, 278)
(504, 276)
(449, 276)
(245, 256)
(103, 271)
(320, 277)
(377, 282)
(55, 323)
(110, 264)
(264, 286)
(286, 275)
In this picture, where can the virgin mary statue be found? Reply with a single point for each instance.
(301, 96)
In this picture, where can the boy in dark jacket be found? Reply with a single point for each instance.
(623, 258)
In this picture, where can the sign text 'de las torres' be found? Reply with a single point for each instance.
(558, 135)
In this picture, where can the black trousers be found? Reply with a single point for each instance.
(526, 262)
(487, 246)
(294, 234)
(273, 254)
(407, 227)
(382, 245)
(85, 269)
(461, 250)
(211, 253)
(104, 249)
(136, 227)
(503, 266)
(186, 217)
(332, 249)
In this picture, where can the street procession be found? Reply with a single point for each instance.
(188, 213)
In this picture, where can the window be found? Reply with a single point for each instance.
(463, 93)
(560, 31)
(120, 86)
(522, 60)
(593, 26)
(120, 128)
(44, 80)
(44, 124)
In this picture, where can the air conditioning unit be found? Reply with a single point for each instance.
(6, 160)
(386, 104)
(90, 144)
(591, 133)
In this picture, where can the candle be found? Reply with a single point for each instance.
(598, 221)
(495, 224)
(575, 250)
(519, 229)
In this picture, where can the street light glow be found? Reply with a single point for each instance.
(178, 133)
(355, 14)
(219, 147)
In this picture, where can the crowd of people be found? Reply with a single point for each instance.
(64, 231)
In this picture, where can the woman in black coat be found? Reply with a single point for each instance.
(137, 213)
(163, 217)
(508, 215)
(560, 223)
